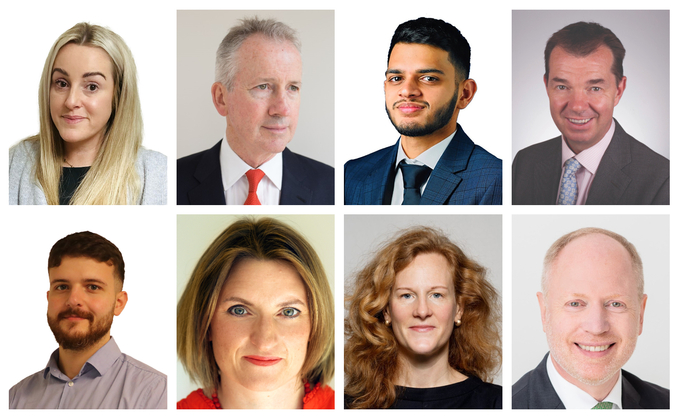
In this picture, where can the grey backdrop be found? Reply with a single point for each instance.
(199, 33)
(643, 110)
(479, 237)
(534, 234)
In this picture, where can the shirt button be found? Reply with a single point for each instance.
(70, 383)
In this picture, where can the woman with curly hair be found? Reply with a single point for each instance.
(422, 329)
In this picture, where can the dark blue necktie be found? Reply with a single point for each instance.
(414, 177)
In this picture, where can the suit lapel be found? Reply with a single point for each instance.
(630, 396)
(443, 181)
(547, 175)
(541, 389)
(210, 190)
(294, 190)
(379, 183)
(610, 181)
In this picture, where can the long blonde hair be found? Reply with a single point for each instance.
(112, 178)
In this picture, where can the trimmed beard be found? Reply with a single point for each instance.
(441, 119)
(80, 341)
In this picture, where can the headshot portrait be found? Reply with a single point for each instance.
(579, 77)
(591, 311)
(255, 312)
(93, 314)
(255, 107)
(423, 312)
(87, 125)
(427, 84)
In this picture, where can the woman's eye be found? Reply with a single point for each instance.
(238, 311)
(61, 84)
(290, 312)
(92, 87)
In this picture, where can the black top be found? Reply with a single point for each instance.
(471, 393)
(70, 180)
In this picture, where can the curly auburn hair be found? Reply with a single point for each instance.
(371, 351)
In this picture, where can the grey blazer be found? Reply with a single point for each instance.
(630, 173)
(535, 391)
(24, 189)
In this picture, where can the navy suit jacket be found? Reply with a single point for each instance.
(630, 173)
(305, 181)
(535, 391)
(466, 174)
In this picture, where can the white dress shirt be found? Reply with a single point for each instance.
(589, 163)
(429, 158)
(236, 184)
(574, 397)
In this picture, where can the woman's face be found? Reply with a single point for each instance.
(81, 93)
(422, 307)
(261, 326)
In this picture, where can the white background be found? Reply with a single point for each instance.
(362, 33)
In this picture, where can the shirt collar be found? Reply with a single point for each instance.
(234, 168)
(429, 157)
(574, 397)
(102, 360)
(591, 157)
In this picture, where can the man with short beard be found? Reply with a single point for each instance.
(592, 305)
(88, 371)
(434, 162)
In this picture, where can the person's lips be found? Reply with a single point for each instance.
(73, 119)
(422, 328)
(409, 107)
(262, 361)
(594, 350)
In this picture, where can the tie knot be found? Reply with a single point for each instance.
(414, 176)
(572, 165)
(254, 176)
(603, 405)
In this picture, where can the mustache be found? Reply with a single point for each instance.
(77, 313)
(419, 102)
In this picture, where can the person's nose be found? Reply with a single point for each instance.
(578, 102)
(596, 320)
(281, 103)
(409, 88)
(422, 309)
(74, 99)
(264, 336)
(75, 297)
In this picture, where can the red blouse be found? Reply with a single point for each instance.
(321, 397)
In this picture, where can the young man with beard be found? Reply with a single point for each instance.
(88, 371)
(434, 162)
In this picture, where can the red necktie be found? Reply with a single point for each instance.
(254, 176)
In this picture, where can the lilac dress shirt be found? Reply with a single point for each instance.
(108, 380)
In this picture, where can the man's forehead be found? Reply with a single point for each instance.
(416, 55)
(602, 56)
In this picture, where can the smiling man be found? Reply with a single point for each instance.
(88, 371)
(258, 89)
(434, 162)
(592, 305)
(594, 161)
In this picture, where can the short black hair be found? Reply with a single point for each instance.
(437, 33)
(89, 245)
(583, 38)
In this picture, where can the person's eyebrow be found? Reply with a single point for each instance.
(559, 80)
(292, 302)
(422, 71)
(90, 74)
(595, 81)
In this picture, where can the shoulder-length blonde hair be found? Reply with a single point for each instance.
(262, 239)
(112, 178)
(371, 350)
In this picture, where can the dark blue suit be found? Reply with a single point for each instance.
(535, 391)
(305, 181)
(466, 174)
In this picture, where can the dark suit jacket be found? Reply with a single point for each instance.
(630, 173)
(465, 174)
(535, 391)
(305, 181)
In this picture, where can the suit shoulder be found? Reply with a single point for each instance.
(520, 392)
(368, 160)
(651, 396)
(190, 162)
(649, 157)
(316, 166)
(539, 150)
(483, 157)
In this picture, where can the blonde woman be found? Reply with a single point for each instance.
(89, 148)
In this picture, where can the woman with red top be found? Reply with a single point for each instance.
(255, 324)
